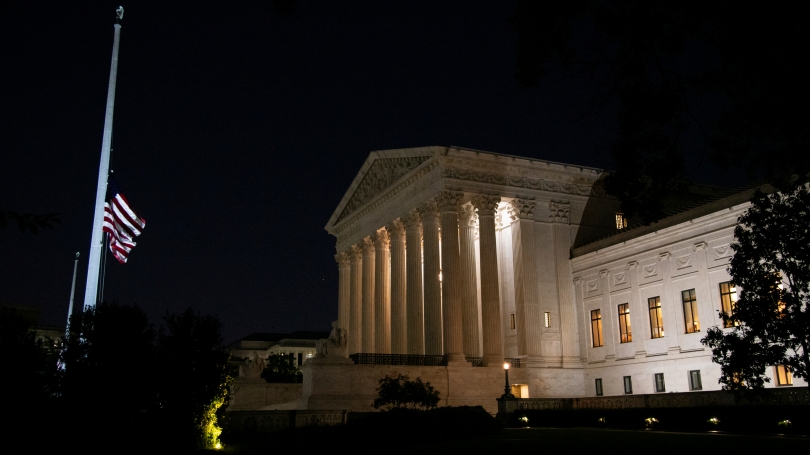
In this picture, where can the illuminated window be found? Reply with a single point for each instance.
(596, 328)
(598, 383)
(625, 332)
(782, 375)
(621, 221)
(548, 319)
(728, 299)
(628, 385)
(690, 311)
(659, 383)
(656, 317)
(512, 321)
(694, 380)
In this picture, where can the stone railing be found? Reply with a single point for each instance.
(514, 361)
(799, 396)
(270, 421)
(398, 359)
(475, 361)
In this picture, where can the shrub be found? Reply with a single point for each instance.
(400, 392)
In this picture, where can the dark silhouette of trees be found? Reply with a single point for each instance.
(652, 60)
(399, 392)
(27, 222)
(281, 368)
(770, 322)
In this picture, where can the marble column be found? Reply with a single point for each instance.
(344, 290)
(399, 334)
(414, 294)
(490, 288)
(559, 215)
(429, 213)
(448, 202)
(469, 282)
(382, 293)
(355, 336)
(367, 344)
(527, 303)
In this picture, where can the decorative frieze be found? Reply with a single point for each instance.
(517, 181)
(559, 212)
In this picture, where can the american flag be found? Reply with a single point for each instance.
(121, 224)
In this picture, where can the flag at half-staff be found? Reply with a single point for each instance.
(121, 224)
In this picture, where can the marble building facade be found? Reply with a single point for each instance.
(469, 254)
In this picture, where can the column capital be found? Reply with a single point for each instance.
(578, 280)
(632, 265)
(429, 211)
(603, 273)
(700, 246)
(382, 241)
(342, 258)
(664, 256)
(485, 204)
(412, 219)
(521, 209)
(448, 201)
(395, 228)
(356, 252)
(466, 216)
(559, 211)
(368, 245)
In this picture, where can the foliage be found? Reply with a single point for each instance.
(400, 392)
(124, 381)
(30, 372)
(194, 377)
(771, 269)
(655, 62)
(27, 222)
(282, 368)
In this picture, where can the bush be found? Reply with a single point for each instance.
(400, 392)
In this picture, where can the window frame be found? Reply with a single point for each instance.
(690, 316)
(727, 306)
(695, 382)
(596, 328)
(658, 383)
(656, 317)
(598, 385)
(512, 322)
(625, 327)
(778, 371)
(628, 385)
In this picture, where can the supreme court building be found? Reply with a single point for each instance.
(476, 257)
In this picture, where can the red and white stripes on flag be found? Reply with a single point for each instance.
(121, 224)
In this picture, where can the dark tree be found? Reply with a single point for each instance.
(770, 323)
(399, 392)
(729, 74)
(27, 222)
(281, 368)
(193, 378)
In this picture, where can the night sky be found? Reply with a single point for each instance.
(238, 130)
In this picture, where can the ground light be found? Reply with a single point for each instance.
(650, 422)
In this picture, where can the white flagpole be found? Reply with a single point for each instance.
(72, 293)
(97, 239)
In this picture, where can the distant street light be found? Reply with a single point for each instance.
(507, 389)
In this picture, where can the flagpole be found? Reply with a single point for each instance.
(59, 363)
(96, 240)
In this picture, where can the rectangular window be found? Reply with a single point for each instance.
(656, 317)
(300, 359)
(512, 321)
(598, 383)
(782, 375)
(625, 332)
(728, 299)
(548, 319)
(596, 328)
(690, 311)
(659, 383)
(694, 380)
(628, 385)
(621, 221)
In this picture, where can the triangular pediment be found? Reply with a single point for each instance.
(381, 170)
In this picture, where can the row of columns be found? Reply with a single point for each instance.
(403, 291)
